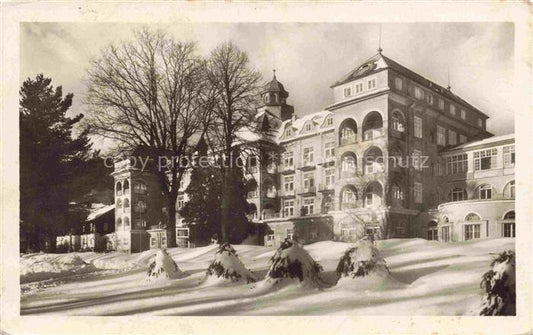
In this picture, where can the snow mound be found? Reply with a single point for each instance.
(291, 263)
(500, 287)
(364, 263)
(47, 266)
(163, 267)
(227, 267)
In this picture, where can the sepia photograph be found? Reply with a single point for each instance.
(210, 168)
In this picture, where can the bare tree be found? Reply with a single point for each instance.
(235, 86)
(150, 93)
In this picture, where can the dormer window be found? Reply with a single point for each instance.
(358, 88)
(308, 127)
(267, 98)
(329, 121)
(288, 132)
(371, 84)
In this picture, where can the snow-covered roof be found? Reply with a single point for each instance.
(298, 124)
(96, 213)
(485, 142)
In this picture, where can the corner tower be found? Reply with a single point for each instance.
(274, 98)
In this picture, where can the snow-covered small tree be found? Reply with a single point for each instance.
(227, 267)
(362, 260)
(499, 285)
(163, 267)
(292, 262)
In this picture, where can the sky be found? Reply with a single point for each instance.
(308, 57)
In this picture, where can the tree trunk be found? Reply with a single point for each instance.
(225, 204)
(171, 224)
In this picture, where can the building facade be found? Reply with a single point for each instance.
(394, 156)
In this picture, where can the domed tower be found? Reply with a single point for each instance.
(274, 97)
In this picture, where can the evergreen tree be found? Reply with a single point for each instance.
(48, 157)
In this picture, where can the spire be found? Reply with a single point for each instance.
(274, 71)
(449, 88)
(379, 47)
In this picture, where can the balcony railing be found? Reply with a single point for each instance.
(326, 187)
(283, 193)
(307, 190)
(348, 174)
(348, 140)
(307, 165)
(287, 168)
(267, 216)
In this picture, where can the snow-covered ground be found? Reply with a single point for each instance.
(426, 278)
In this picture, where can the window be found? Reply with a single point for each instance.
(371, 83)
(417, 162)
(347, 135)
(480, 123)
(358, 88)
(508, 156)
(472, 231)
(472, 217)
(485, 192)
(485, 160)
(429, 99)
(119, 205)
(329, 150)
(433, 234)
(329, 121)
(348, 165)
(290, 233)
(119, 189)
(309, 206)
(126, 187)
(288, 183)
(452, 137)
(288, 208)
(309, 180)
(308, 156)
(313, 233)
(308, 126)
(418, 93)
(510, 190)
(441, 104)
(140, 187)
(369, 196)
(349, 198)
(462, 139)
(463, 114)
(458, 194)
(418, 127)
(126, 204)
(181, 201)
(288, 160)
(441, 135)
(288, 132)
(347, 91)
(508, 229)
(418, 193)
(397, 122)
(329, 175)
(397, 192)
(398, 83)
(140, 206)
(452, 110)
(348, 232)
(445, 234)
(126, 223)
(457, 164)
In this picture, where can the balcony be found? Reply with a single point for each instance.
(348, 174)
(287, 169)
(348, 140)
(268, 216)
(287, 194)
(328, 161)
(307, 166)
(326, 188)
(307, 190)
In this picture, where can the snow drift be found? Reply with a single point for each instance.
(363, 260)
(163, 267)
(292, 263)
(227, 267)
(500, 287)
(47, 266)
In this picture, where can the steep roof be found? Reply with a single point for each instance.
(98, 212)
(275, 86)
(380, 62)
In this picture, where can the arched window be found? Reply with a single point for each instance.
(119, 205)
(140, 206)
(457, 194)
(126, 204)
(509, 215)
(348, 197)
(445, 219)
(347, 132)
(126, 187)
(397, 121)
(372, 126)
(485, 192)
(348, 164)
(119, 224)
(433, 234)
(510, 190)
(472, 217)
(373, 160)
(397, 193)
(373, 195)
(126, 223)
(118, 190)
(140, 187)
